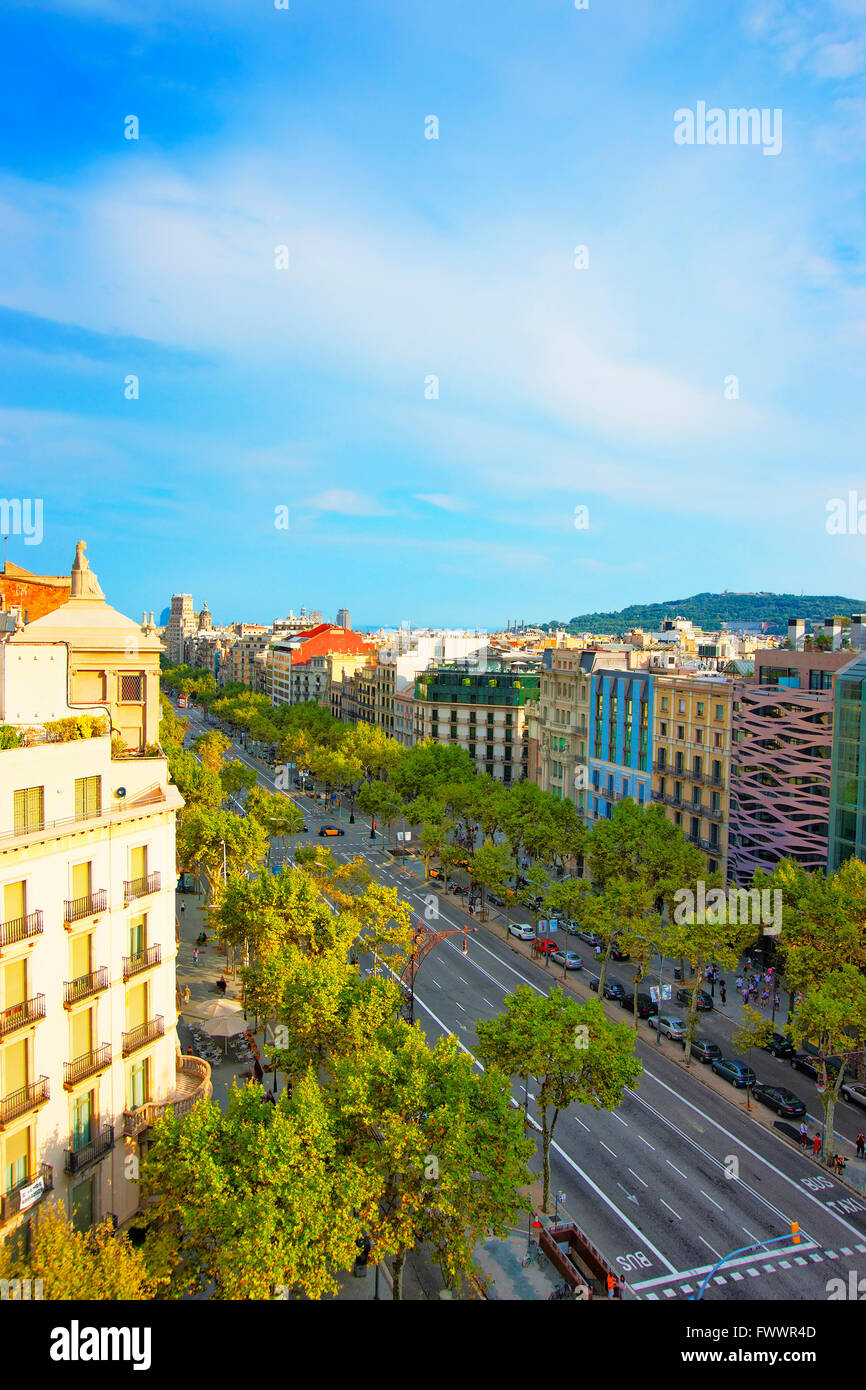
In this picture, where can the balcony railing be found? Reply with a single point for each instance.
(75, 909)
(79, 1156)
(142, 960)
(714, 812)
(85, 986)
(142, 1035)
(135, 1121)
(20, 929)
(20, 1015)
(18, 1102)
(88, 1064)
(27, 1193)
(140, 887)
(711, 846)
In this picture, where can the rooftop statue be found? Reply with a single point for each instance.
(84, 581)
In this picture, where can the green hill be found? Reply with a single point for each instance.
(713, 611)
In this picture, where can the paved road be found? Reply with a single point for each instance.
(679, 1175)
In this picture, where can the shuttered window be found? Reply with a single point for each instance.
(14, 984)
(81, 880)
(14, 1067)
(139, 1084)
(81, 1026)
(80, 953)
(88, 796)
(83, 1111)
(17, 1159)
(13, 901)
(29, 809)
(136, 1007)
(137, 935)
(138, 862)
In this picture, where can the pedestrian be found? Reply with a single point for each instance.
(611, 1285)
(776, 1000)
(748, 963)
(739, 983)
(804, 1134)
(195, 955)
(723, 993)
(182, 909)
(839, 1165)
(816, 1144)
(186, 995)
(861, 1145)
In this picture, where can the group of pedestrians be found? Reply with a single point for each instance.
(758, 986)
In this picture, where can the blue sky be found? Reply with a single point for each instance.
(304, 388)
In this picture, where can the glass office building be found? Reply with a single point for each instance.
(848, 784)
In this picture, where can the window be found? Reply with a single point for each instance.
(719, 712)
(699, 735)
(14, 901)
(82, 1120)
(681, 731)
(17, 1166)
(138, 935)
(663, 730)
(700, 709)
(29, 809)
(681, 706)
(132, 689)
(88, 797)
(138, 862)
(664, 704)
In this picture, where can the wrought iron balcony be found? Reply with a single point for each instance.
(193, 1083)
(142, 960)
(711, 846)
(20, 929)
(88, 1064)
(79, 1156)
(27, 1193)
(85, 986)
(17, 1103)
(140, 887)
(75, 909)
(20, 1015)
(142, 1035)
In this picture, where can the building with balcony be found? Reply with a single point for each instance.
(292, 676)
(692, 758)
(87, 921)
(481, 710)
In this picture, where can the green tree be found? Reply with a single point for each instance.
(444, 1143)
(492, 867)
(262, 1198)
(235, 776)
(833, 1016)
(81, 1267)
(575, 1054)
(217, 844)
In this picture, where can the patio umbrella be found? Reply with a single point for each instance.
(224, 1026)
(214, 1008)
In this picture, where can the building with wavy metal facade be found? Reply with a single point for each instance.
(780, 778)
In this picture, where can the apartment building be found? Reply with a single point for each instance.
(33, 594)
(620, 739)
(292, 677)
(481, 711)
(692, 758)
(182, 623)
(88, 1047)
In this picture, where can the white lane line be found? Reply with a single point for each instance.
(709, 1247)
(619, 1117)
(460, 1006)
(705, 1269)
(707, 1119)
(638, 1176)
(580, 1122)
(675, 1168)
(488, 1003)
(436, 983)
(670, 1208)
(602, 1196)
(711, 1199)
(604, 1146)
(751, 1235)
(647, 1142)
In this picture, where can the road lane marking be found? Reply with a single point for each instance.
(604, 1146)
(647, 1142)
(460, 1006)
(580, 1122)
(709, 1247)
(665, 1204)
(619, 1117)
(488, 1003)
(711, 1199)
(675, 1168)
(638, 1176)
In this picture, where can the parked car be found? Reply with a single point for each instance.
(645, 1006)
(703, 1049)
(495, 899)
(617, 954)
(809, 1064)
(684, 996)
(570, 959)
(780, 1045)
(855, 1092)
(546, 946)
(331, 830)
(669, 1026)
(778, 1098)
(573, 928)
(735, 1070)
(612, 989)
(591, 938)
(522, 930)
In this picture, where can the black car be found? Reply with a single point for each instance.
(809, 1065)
(779, 1045)
(645, 1006)
(617, 954)
(612, 989)
(784, 1102)
(704, 1050)
(705, 1003)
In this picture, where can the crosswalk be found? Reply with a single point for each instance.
(687, 1282)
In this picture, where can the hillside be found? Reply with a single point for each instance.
(712, 611)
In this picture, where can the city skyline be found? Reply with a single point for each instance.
(645, 352)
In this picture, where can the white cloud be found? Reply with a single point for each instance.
(443, 500)
(346, 503)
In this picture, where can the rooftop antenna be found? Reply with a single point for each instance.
(5, 539)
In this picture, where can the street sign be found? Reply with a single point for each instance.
(546, 926)
(655, 995)
(399, 834)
